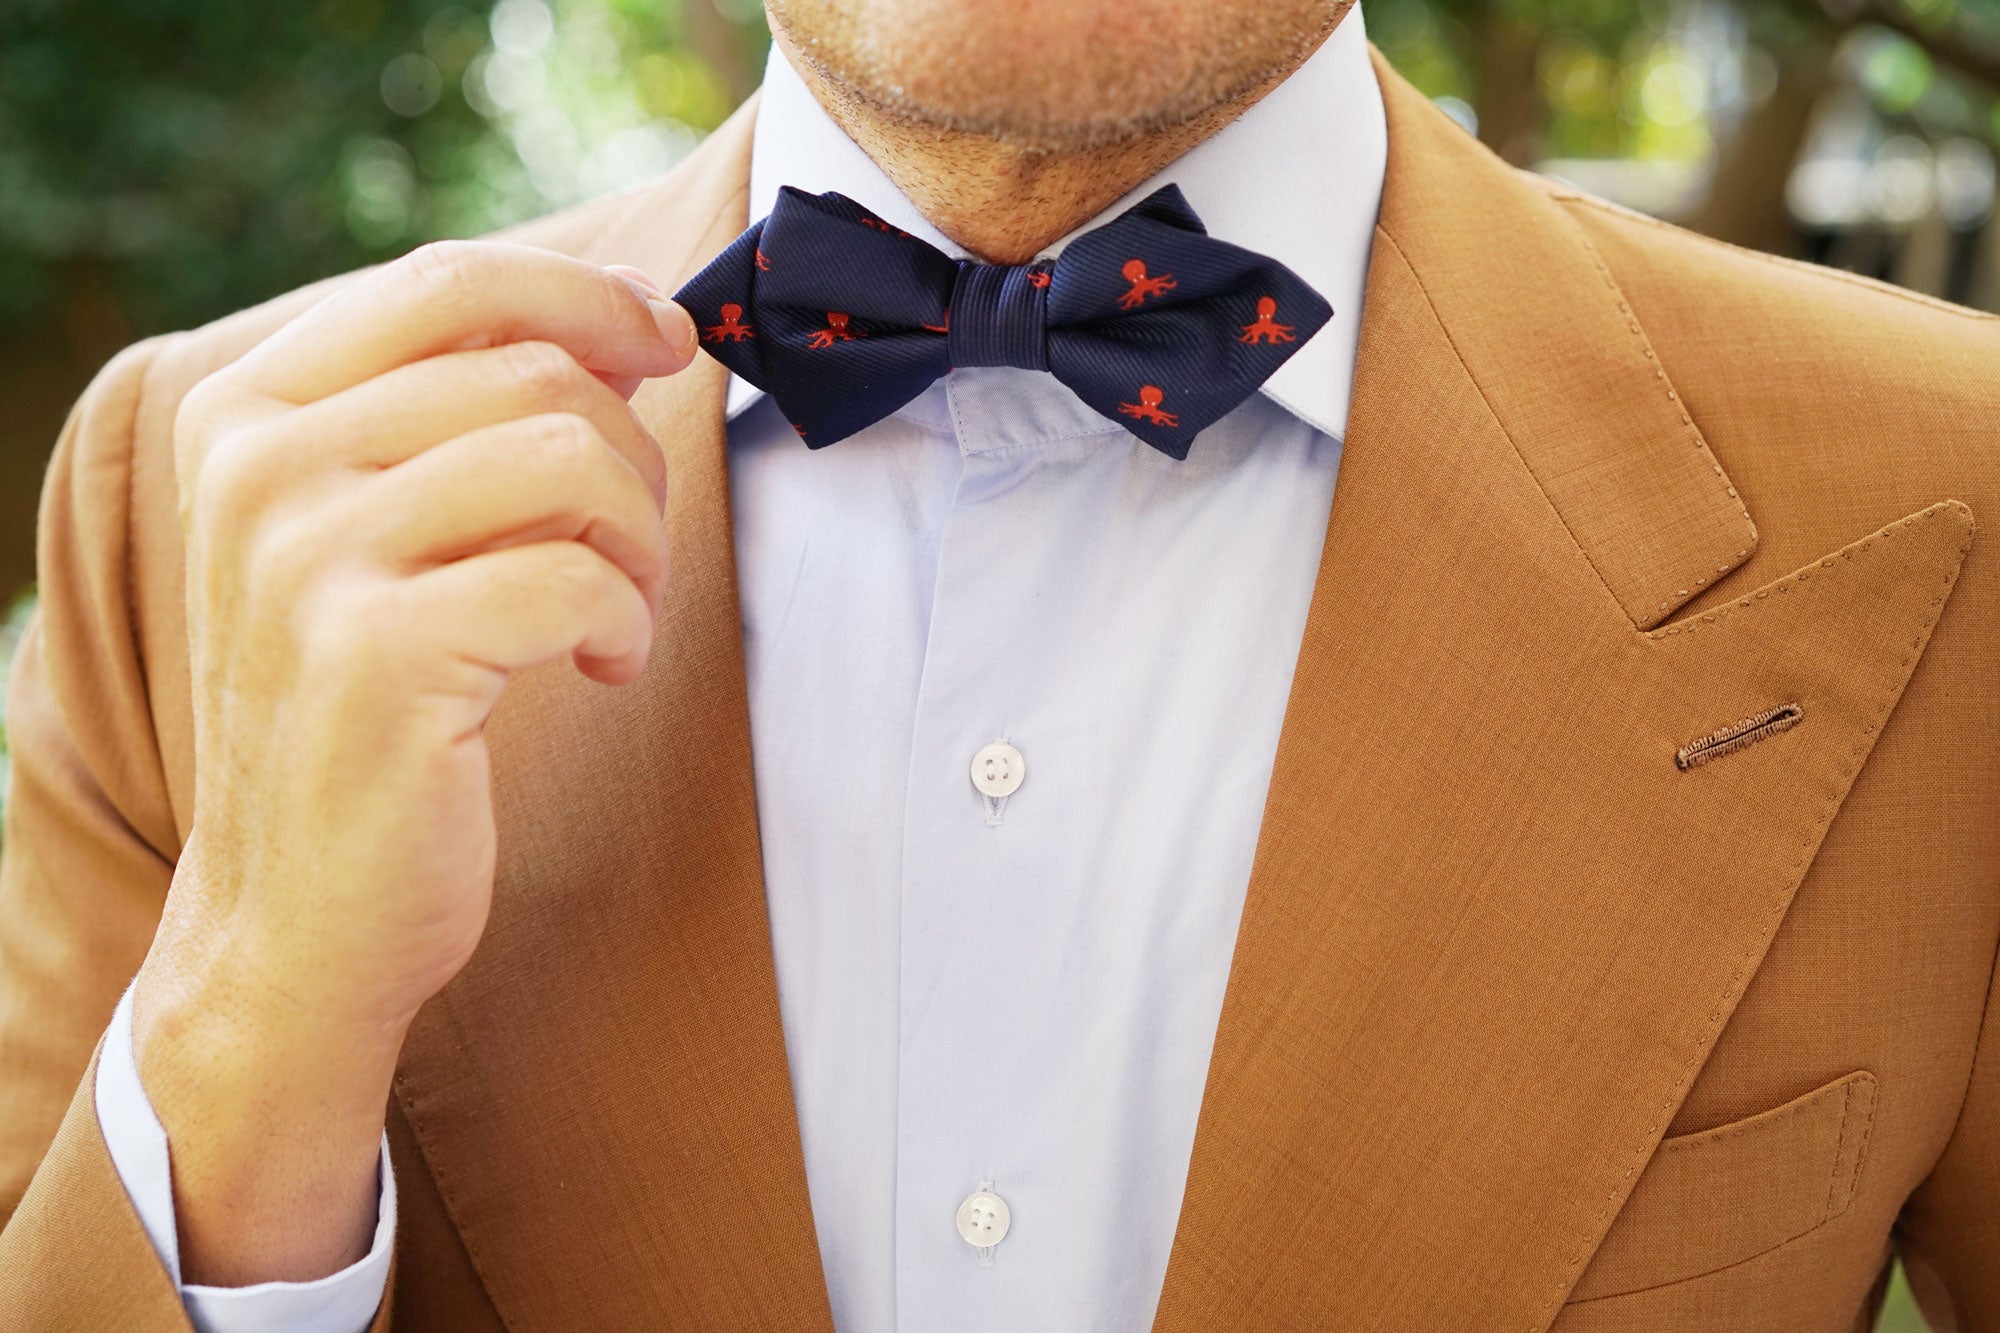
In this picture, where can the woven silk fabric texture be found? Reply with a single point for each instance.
(843, 318)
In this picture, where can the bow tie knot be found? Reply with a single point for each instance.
(998, 316)
(843, 318)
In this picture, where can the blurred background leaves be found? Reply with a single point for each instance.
(183, 158)
(164, 162)
(1854, 132)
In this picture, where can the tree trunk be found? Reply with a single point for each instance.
(1746, 196)
(1510, 98)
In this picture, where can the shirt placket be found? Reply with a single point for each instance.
(975, 1142)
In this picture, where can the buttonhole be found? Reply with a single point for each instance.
(1737, 735)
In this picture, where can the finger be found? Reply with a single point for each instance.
(453, 295)
(627, 385)
(520, 482)
(521, 606)
(633, 273)
(622, 385)
(398, 414)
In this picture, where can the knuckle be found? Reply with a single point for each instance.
(281, 558)
(442, 265)
(445, 274)
(576, 574)
(567, 440)
(230, 483)
(201, 417)
(622, 300)
(649, 461)
(348, 631)
(542, 371)
(200, 409)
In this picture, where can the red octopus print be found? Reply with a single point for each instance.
(1148, 407)
(836, 330)
(762, 263)
(943, 325)
(730, 328)
(882, 226)
(1267, 329)
(1038, 277)
(1142, 285)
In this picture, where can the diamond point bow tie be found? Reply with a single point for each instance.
(843, 318)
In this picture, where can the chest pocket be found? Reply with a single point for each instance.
(1716, 1198)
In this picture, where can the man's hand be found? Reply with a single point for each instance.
(428, 481)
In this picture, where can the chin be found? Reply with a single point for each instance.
(1058, 73)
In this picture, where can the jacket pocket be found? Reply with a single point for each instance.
(1716, 1198)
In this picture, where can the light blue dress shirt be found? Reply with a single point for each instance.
(1013, 994)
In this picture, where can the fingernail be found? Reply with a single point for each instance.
(676, 325)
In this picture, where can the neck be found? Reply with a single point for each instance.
(1005, 201)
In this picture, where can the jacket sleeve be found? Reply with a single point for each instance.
(86, 855)
(1948, 1236)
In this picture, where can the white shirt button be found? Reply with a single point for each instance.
(983, 1218)
(998, 768)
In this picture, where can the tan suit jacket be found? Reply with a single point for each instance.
(1527, 1027)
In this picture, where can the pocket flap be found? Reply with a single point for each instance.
(1727, 1194)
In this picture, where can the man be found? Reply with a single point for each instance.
(1023, 876)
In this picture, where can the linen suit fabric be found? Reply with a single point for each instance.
(1525, 1027)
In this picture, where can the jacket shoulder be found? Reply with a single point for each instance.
(1785, 326)
(1811, 383)
(1670, 242)
(1834, 403)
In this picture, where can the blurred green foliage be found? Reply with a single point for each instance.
(202, 155)
(1899, 1311)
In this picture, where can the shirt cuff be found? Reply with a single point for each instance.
(343, 1302)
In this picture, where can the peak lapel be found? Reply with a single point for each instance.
(1493, 929)
(602, 1094)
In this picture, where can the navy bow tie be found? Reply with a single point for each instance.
(843, 318)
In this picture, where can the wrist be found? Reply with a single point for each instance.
(260, 1043)
(273, 1112)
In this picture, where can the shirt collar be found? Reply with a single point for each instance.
(1297, 177)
